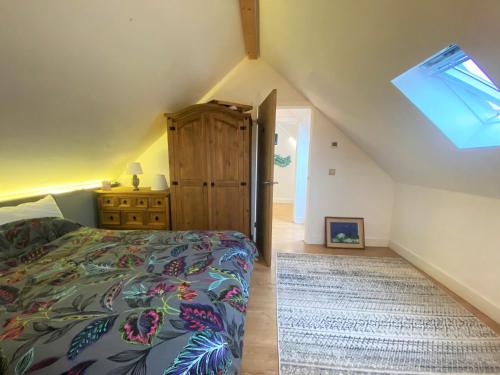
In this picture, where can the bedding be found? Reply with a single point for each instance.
(75, 300)
(45, 207)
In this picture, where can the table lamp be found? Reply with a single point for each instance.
(159, 182)
(134, 168)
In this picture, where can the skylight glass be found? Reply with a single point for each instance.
(470, 67)
(452, 90)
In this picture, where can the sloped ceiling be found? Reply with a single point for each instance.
(82, 82)
(343, 54)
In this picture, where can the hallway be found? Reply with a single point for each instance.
(286, 234)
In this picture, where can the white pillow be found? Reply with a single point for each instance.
(45, 207)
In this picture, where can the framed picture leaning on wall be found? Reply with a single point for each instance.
(345, 232)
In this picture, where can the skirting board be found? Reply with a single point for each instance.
(369, 242)
(474, 298)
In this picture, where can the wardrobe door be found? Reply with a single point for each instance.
(188, 172)
(229, 158)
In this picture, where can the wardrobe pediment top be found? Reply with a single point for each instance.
(206, 108)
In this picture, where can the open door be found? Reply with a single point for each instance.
(265, 171)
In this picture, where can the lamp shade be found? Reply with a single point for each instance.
(159, 182)
(134, 168)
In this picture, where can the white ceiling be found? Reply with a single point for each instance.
(82, 81)
(342, 55)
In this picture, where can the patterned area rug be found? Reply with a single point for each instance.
(359, 315)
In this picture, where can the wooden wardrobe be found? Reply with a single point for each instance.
(209, 148)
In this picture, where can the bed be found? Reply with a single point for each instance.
(75, 299)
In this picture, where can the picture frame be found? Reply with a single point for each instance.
(345, 232)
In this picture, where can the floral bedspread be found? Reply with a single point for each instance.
(77, 300)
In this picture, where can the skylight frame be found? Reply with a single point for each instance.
(448, 65)
(463, 102)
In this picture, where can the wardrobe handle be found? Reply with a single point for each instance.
(212, 184)
(205, 183)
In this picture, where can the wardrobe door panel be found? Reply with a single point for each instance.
(227, 208)
(188, 173)
(226, 145)
(190, 151)
(229, 172)
(191, 208)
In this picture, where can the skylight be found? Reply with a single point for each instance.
(452, 90)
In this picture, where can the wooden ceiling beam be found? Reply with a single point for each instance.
(249, 10)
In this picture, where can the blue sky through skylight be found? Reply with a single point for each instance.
(457, 96)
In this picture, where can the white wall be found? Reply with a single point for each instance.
(360, 188)
(302, 167)
(153, 161)
(455, 238)
(284, 191)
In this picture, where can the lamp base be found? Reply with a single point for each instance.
(135, 182)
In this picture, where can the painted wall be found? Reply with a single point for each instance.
(153, 161)
(454, 237)
(302, 169)
(284, 191)
(360, 188)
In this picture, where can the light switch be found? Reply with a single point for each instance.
(332, 172)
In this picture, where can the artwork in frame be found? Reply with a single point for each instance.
(345, 232)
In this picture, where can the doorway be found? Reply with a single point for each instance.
(291, 161)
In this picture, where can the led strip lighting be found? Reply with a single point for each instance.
(56, 189)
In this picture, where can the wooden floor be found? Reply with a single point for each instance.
(260, 353)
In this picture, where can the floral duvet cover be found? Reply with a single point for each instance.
(77, 300)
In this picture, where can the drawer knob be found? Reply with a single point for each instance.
(124, 202)
(159, 202)
(111, 217)
(141, 202)
(134, 218)
(157, 218)
(108, 201)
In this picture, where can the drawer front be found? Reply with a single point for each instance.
(110, 218)
(159, 202)
(141, 202)
(133, 218)
(157, 219)
(125, 202)
(109, 201)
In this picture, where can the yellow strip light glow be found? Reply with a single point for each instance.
(57, 189)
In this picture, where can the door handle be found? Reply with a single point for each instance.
(270, 182)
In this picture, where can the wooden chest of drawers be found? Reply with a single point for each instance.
(124, 208)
